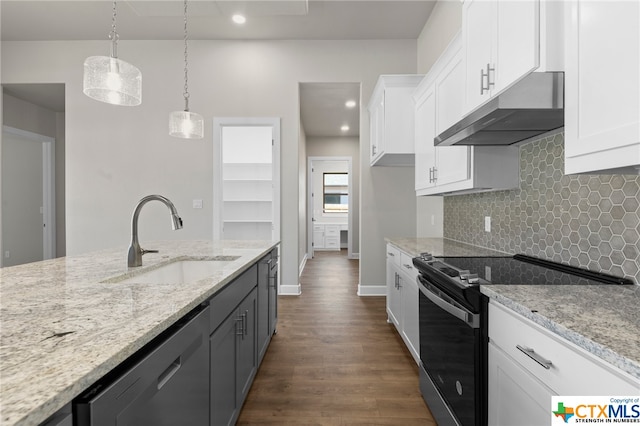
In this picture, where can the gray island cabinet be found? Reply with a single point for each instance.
(103, 320)
(233, 343)
(243, 320)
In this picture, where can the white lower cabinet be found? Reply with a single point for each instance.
(528, 365)
(326, 236)
(402, 298)
(516, 397)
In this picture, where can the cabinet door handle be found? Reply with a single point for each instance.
(534, 356)
(489, 81)
(244, 322)
(240, 332)
(169, 372)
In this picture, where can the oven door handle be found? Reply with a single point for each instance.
(471, 319)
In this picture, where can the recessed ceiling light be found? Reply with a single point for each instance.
(239, 19)
(344, 128)
(350, 103)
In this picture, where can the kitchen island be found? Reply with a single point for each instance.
(67, 322)
(601, 319)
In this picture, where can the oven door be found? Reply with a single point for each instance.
(450, 351)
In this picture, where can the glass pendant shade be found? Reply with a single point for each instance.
(111, 80)
(187, 125)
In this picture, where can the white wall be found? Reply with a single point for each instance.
(443, 24)
(116, 155)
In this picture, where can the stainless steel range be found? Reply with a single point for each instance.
(453, 325)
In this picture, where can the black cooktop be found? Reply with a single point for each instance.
(514, 270)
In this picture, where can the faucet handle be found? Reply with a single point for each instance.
(143, 251)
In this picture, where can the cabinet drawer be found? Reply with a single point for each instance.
(393, 255)
(331, 243)
(406, 264)
(226, 300)
(331, 230)
(318, 228)
(572, 370)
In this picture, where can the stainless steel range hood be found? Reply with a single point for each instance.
(533, 106)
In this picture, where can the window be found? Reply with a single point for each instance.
(335, 192)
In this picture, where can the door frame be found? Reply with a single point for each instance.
(310, 161)
(218, 124)
(48, 190)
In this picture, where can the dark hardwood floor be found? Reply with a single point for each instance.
(334, 359)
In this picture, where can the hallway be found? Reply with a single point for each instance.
(334, 359)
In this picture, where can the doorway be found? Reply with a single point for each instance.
(330, 204)
(330, 127)
(28, 197)
(247, 179)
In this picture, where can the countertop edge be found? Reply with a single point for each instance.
(599, 351)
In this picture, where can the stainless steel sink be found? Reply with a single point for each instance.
(178, 272)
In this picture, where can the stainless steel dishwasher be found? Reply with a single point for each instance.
(166, 383)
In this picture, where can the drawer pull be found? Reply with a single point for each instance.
(407, 266)
(534, 356)
(391, 254)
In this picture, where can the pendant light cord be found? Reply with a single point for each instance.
(113, 35)
(186, 61)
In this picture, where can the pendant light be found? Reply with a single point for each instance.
(186, 124)
(112, 80)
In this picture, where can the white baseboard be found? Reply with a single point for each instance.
(290, 290)
(372, 290)
(354, 256)
(303, 264)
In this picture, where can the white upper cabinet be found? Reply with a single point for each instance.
(447, 169)
(425, 131)
(391, 120)
(506, 40)
(602, 87)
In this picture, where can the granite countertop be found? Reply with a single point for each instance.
(441, 247)
(65, 323)
(604, 320)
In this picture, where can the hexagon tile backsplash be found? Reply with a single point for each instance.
(591, 221)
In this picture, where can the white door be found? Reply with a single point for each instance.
(27, 198)
(247, 182)
(478, 31)
(518, 41)
(602, 124)
(425, 131)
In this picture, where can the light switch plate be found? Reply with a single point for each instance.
(487, 223)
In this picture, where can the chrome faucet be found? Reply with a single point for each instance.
(134, 258)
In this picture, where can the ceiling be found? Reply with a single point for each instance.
(209, 19)
(322, 105)
(323, 111)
